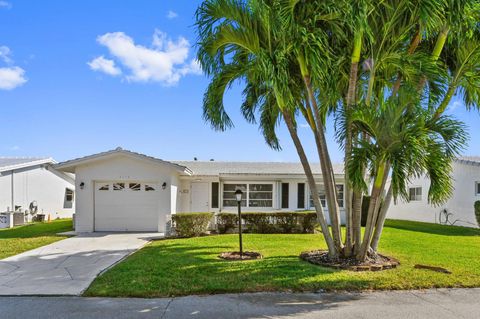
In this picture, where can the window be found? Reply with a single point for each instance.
(323, 200)
(285, 189)
(415, 193)
(477, 188)
(149, 188)
(69, 196)
(134, 186)
(254, 195)
(301, 195)
(260, 195)
(229, 194)
(215, 194)
(118, 186)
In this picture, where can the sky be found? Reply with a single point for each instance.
(82, 77)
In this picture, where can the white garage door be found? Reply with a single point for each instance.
(126, 206)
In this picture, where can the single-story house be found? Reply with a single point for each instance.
(28, 184)
(120, 190)
(460, 207)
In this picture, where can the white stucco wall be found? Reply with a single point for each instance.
(37, 183)
(460, 204)
(122, 168)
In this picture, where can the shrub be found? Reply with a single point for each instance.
(226, 222)
(308, 222)
(287, 222)
(477, 212)
(258, 222)
(191, 224)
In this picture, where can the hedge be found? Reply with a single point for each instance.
(191, 224)
(264, 223)
(477, 212)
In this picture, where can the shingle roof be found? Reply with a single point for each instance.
(10, 163)
(469, 160)
(213, 168)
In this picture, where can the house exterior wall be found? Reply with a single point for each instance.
(39, 183)
(122, 168)
(460, 205)
(184, 193)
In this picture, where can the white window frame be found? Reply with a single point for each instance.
(416, 198)
(323, 198)
(247, 198)
(477, 188)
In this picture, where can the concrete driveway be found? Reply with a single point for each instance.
(67, 267)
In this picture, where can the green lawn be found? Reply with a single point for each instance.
(22, 238)
(190, 266)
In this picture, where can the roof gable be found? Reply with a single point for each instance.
(69, 166)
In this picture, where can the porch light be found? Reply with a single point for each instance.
(164, 185)
(82, 185)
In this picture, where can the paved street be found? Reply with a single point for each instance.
(66, 267)
(438, 304)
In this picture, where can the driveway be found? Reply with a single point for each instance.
(67, 267)
(439, 304)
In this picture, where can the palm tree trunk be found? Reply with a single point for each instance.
(332, 250)
(353, 230)
(378, 186)
(327, 169)
(357, 221)
(437, 50)
(381, 219)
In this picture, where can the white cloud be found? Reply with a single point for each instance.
(15, 148)
(104, 65)
(304, 125)
(456, 104)
(5, 53)
(165, 62)
(11, 77)
(171, 14)
(5, 4)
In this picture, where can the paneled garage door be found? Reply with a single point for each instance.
(126, 206)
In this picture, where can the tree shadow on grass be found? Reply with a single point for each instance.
(429, 228)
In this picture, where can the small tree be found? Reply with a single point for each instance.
(477, 212)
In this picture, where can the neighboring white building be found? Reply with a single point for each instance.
(466, 183)
(26, 182)
(120, 190)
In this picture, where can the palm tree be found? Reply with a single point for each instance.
(360, 60)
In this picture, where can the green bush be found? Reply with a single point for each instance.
(191, 224)
(477, 212)
(226, 222)
(260, 223)
(265, 223)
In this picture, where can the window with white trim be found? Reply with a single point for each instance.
(258, 195)
(415, 194)
(322, 196)
(477, 188)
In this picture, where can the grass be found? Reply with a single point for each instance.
(175, 267)
(16, 240)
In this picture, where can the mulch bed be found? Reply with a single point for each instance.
(235, 255)
(373, 263)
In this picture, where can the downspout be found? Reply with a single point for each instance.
(13, 192)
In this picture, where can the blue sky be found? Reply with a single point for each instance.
(81, 77)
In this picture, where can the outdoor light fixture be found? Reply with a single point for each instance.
(164, 185)
(238, 196)
(82, 185)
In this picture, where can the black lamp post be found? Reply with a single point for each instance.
(238, 196)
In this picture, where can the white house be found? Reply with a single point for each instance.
(466, 183)
(120, 190)
(29, 182)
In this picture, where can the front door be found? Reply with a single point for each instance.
(199, 197)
